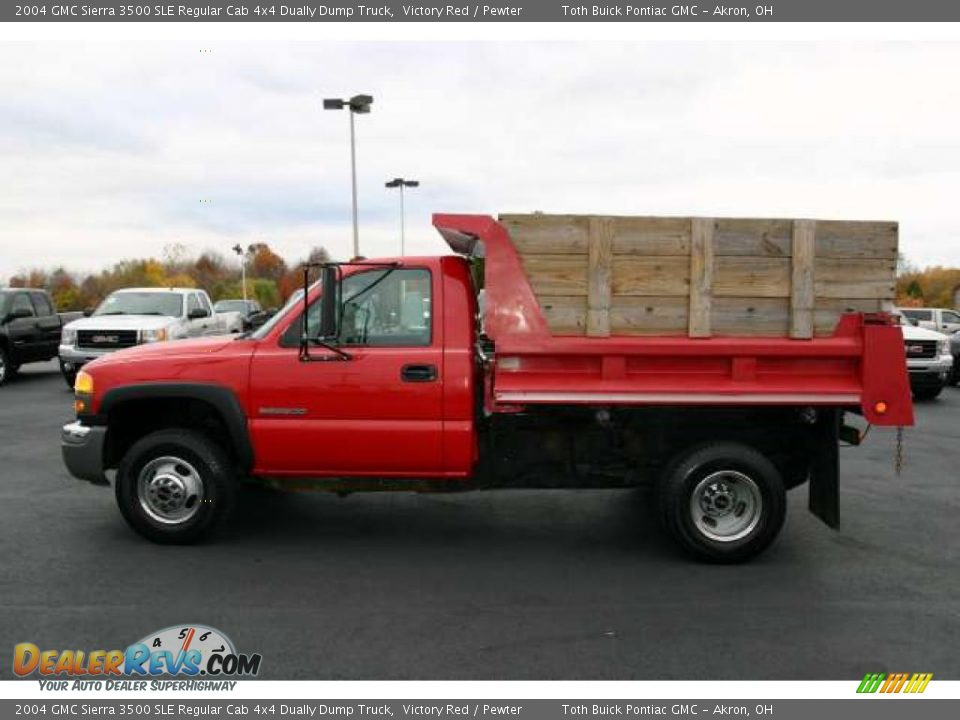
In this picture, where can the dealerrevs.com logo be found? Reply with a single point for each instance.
(184, 651)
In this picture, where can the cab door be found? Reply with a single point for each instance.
(24, 331)
(379, 413)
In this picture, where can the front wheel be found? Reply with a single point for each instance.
(69, 376)
(722, 502)
(927, 392)
(175, 486)
(7, 368)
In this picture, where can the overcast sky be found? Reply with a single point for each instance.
(117, 150)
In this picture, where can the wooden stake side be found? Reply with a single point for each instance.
(701, 276)
(802, 298)
(599, 276)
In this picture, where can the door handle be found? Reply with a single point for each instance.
(418, 373)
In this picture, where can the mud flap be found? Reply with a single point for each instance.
(825, 468)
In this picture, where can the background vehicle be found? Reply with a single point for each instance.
(251, 314)
(929, 359)
(609, 359)
(955, 351)
(940, 319)
(135, 316)
(29, 329)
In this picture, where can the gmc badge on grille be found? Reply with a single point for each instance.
(113, 339)
(915, 349)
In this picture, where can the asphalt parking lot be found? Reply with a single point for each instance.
(496, 585)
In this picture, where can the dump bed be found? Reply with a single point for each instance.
(650, 310)
(602, 275)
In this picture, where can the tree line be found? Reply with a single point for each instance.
(270, 279)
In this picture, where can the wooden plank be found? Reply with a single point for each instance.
(651, 236)
(753, 237)
(664, 315)
(565, 314)
(638, 275)
(828, 311)
(801, 284)
(701, 276)
(760, 277)
(547, 234)
(557, 274)
(599, 259)
(841, 239)
(855, 278)
(751, 316)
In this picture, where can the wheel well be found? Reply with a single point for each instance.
(131, 420)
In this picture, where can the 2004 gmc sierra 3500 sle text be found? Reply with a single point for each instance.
(714, 359)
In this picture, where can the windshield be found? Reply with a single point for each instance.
(142, 303)
(231, 306)
(265, 329)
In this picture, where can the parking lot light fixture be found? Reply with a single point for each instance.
(402, 183)
(357, 104)
(243, 268)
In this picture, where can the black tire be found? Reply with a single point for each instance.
(69, 376)
(742, 466)
(197, 453)
(927, 392)
(7, 368)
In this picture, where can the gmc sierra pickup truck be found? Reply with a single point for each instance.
(614, 353)
(135, 316)
(29, 329)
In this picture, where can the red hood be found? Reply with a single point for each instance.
(173, 349)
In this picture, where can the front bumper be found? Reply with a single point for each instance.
(72, 358)
(82, 450)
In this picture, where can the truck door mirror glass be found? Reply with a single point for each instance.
(88, 311)
(329, 308)
(18, 313)
(197, 313)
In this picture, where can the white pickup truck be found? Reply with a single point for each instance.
(141, 315)
(942, 320)
(929, 358)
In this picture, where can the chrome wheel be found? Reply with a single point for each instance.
(726, 506)
(170, 490)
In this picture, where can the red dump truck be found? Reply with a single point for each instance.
(714, 360)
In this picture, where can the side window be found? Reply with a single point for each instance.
(42, 304)
(383, 308)
(205, 303)
(21, 301)
(950, 317)
(193, 303)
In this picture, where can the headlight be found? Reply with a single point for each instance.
(945, 346)
(150, 336)
(68, 337)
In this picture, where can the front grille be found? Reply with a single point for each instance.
(921, 348)
(106, 339)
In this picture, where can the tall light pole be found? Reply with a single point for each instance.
(401, 183)
(243, 268)
(356, 104)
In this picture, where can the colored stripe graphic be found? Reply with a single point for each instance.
(894, 683)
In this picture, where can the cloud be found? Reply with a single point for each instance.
(113, 150)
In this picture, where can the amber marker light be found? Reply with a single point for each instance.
(83, 384)
(880, 408)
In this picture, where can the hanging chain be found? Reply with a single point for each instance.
(898, 455)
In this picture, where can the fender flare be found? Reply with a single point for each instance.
(221, 398)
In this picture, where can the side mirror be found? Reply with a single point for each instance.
(87, 312)
(197, 313)
(18, 314)
(329, 306)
